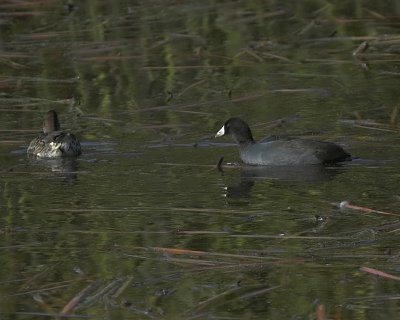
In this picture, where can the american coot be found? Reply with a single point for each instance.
(281, 152)
(53, 143)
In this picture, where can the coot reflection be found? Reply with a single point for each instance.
(250, 175)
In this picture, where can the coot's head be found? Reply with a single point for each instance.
(238, 129)
(51, 122)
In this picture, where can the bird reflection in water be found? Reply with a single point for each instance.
(66, 167)
(249, 175)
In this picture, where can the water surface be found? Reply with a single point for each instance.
(143, 225)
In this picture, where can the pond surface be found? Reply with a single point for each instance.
(143, 225)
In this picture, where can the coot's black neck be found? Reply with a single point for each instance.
(244, 139)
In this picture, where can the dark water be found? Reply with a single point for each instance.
(143, 225)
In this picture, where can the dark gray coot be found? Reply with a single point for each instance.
(281, 152)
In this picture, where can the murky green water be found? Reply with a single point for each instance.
(143, 225)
